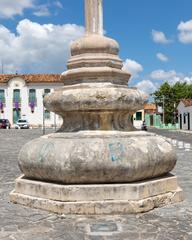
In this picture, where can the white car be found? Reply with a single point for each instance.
(22, 124)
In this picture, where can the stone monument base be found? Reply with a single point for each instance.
(95, 199)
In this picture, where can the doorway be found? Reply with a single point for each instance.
(16, 114)
(151, 120)
(180, 118)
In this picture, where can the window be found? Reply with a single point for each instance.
(47, 114)
(22, 121)
(32, 96)
(16, 96)
(47, 91)
(2, 96)
(139, 116)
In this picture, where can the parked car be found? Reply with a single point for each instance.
(4, 123)
(22, 124)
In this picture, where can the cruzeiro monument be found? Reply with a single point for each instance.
(97, 163)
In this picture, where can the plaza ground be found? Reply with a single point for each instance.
(172, 222)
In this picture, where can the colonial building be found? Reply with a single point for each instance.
(21, 96)
(138, 118)
(185, 114)
(152, 116)
(149, 114)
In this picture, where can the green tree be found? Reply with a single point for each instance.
(171, 96)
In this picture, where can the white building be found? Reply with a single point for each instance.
(21, 96)
(138, 119)
(148, 114)
(185, 114)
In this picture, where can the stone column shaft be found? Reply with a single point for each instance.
(94, 16)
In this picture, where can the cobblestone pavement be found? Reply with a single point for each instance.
(174, 134)
(19, 223)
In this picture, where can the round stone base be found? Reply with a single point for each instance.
(95, 199)
(97, 157)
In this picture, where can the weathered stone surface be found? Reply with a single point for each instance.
(100, 45)
(92, 74)
(96, 192)
(97, 157)
(23, 223)
(95, 97)
(104, 206)
(94, 16)
(94, 106)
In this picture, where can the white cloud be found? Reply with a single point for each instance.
(185, 32)
(159, 37)
(146, 86)
(10, 8)
(163, 75)
(58, 4)
(42, 11)
(162, 57)
(185, 26)
(37, 48)
(187, 79)
(132, 67)
(171, 76)
(180, 78)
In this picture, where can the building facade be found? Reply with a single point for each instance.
(152, 116)
(21, 97)
(149, 114)
(138, 118)
(185, 114)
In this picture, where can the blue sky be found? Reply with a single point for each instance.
(155, 36)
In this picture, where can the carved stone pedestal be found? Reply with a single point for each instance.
(97, 163)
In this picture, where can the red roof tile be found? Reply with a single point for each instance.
(32, 78)
(187, 102)
(150, 106)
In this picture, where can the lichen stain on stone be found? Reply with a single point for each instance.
(122, 97)
(100, 96)
(46, 149)
(116, 151)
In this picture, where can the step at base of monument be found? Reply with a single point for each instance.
(95, 199)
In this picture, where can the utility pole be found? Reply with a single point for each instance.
(174, 116)
(43, 117)
(55, 124)
(163, 109)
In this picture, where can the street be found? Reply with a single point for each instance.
(173, 222)
(178, 135)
